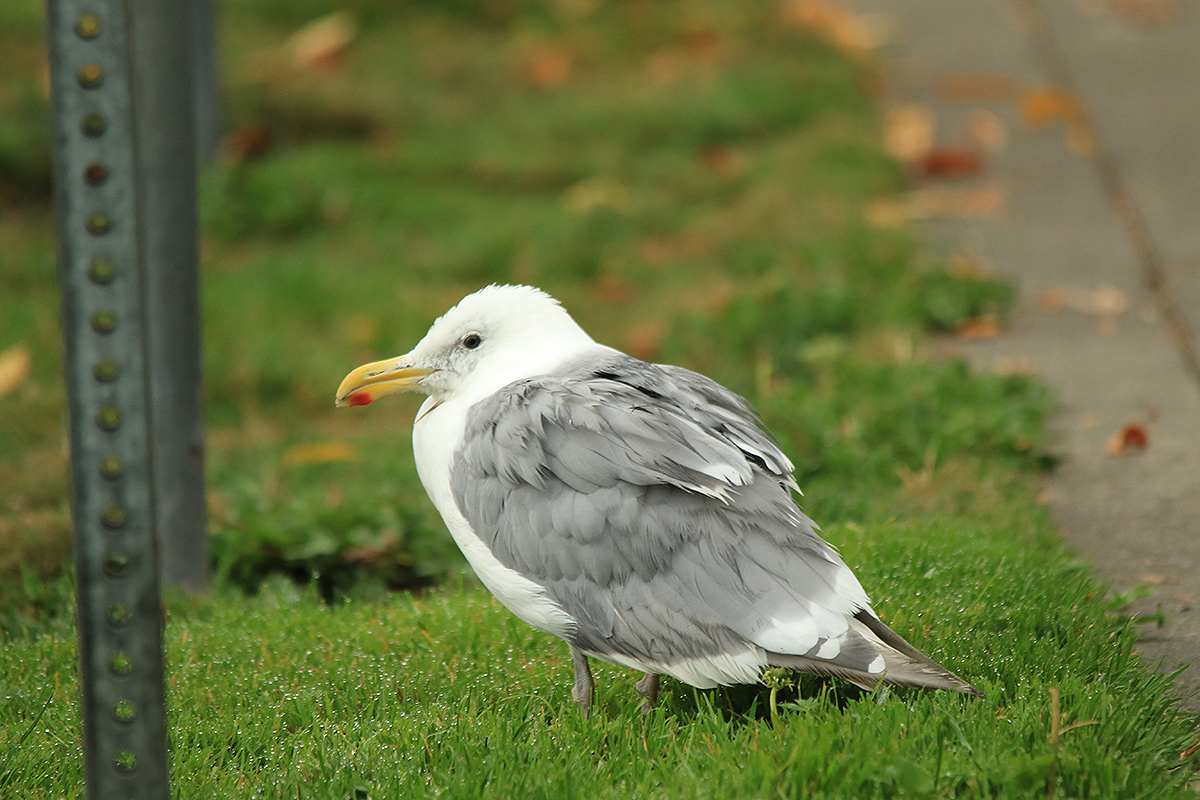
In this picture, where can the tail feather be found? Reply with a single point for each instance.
(905, 664)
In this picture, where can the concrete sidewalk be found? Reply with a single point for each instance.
(1100, 229)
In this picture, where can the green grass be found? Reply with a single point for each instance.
(694, 191)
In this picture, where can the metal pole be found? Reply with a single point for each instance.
(124, 179)
(206, 79)
(165, 163)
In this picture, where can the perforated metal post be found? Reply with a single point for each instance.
(126, 223)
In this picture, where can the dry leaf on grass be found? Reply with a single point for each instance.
(1132, 437)
(705, 46)
(547, 68)
(589, 195)
(643, 340)
(612, 289)
(321, 44)
(831, 21)
(659, 250)
(319, 453)
(723, 159)
(15, 363)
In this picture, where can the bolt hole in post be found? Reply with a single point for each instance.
(125, 761)
(119, 615)
(114, 517)
(101, 271)
(120, 664)
(124, 711)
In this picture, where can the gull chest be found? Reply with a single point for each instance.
(437, 436)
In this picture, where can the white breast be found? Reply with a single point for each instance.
(437, 435)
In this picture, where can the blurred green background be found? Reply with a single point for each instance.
(689, 178)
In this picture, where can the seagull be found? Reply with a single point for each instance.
(638, 511)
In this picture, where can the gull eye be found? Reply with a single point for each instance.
(471, 341)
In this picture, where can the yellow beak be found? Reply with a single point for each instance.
(378, 379)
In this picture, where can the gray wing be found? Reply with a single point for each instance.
(658, 514)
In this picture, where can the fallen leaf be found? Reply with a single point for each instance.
(1042, 106)
(246, 141)
(704, 45)
(548, 68)
(15, 363)
(1154, 578)
(1133, 436)
(612, 289)
(886, 212)
(985, 327)
(593, 193)
(1016, 366)
(908, 131)
(321, 44)
(948, 162)
(832, 21)
(1104, 301)
(659, 250)
(664, 68)
(1146, 13)
(643, 340)
(319, 453)
(1053, 299)
(723, 159)
(986, 130)
(1045, 498)
(978, 88)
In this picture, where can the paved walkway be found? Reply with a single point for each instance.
(1100, 228)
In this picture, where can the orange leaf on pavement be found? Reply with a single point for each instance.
(908, 131)
(985, 327)
(1133, 436)
(1043, 106)
(948, 162)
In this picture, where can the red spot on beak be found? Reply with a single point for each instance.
(359, 399)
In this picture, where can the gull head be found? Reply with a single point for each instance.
(493, 337)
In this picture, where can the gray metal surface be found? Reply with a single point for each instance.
(165, 164)
(122, 211)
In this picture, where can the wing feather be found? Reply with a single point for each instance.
(656, 512)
